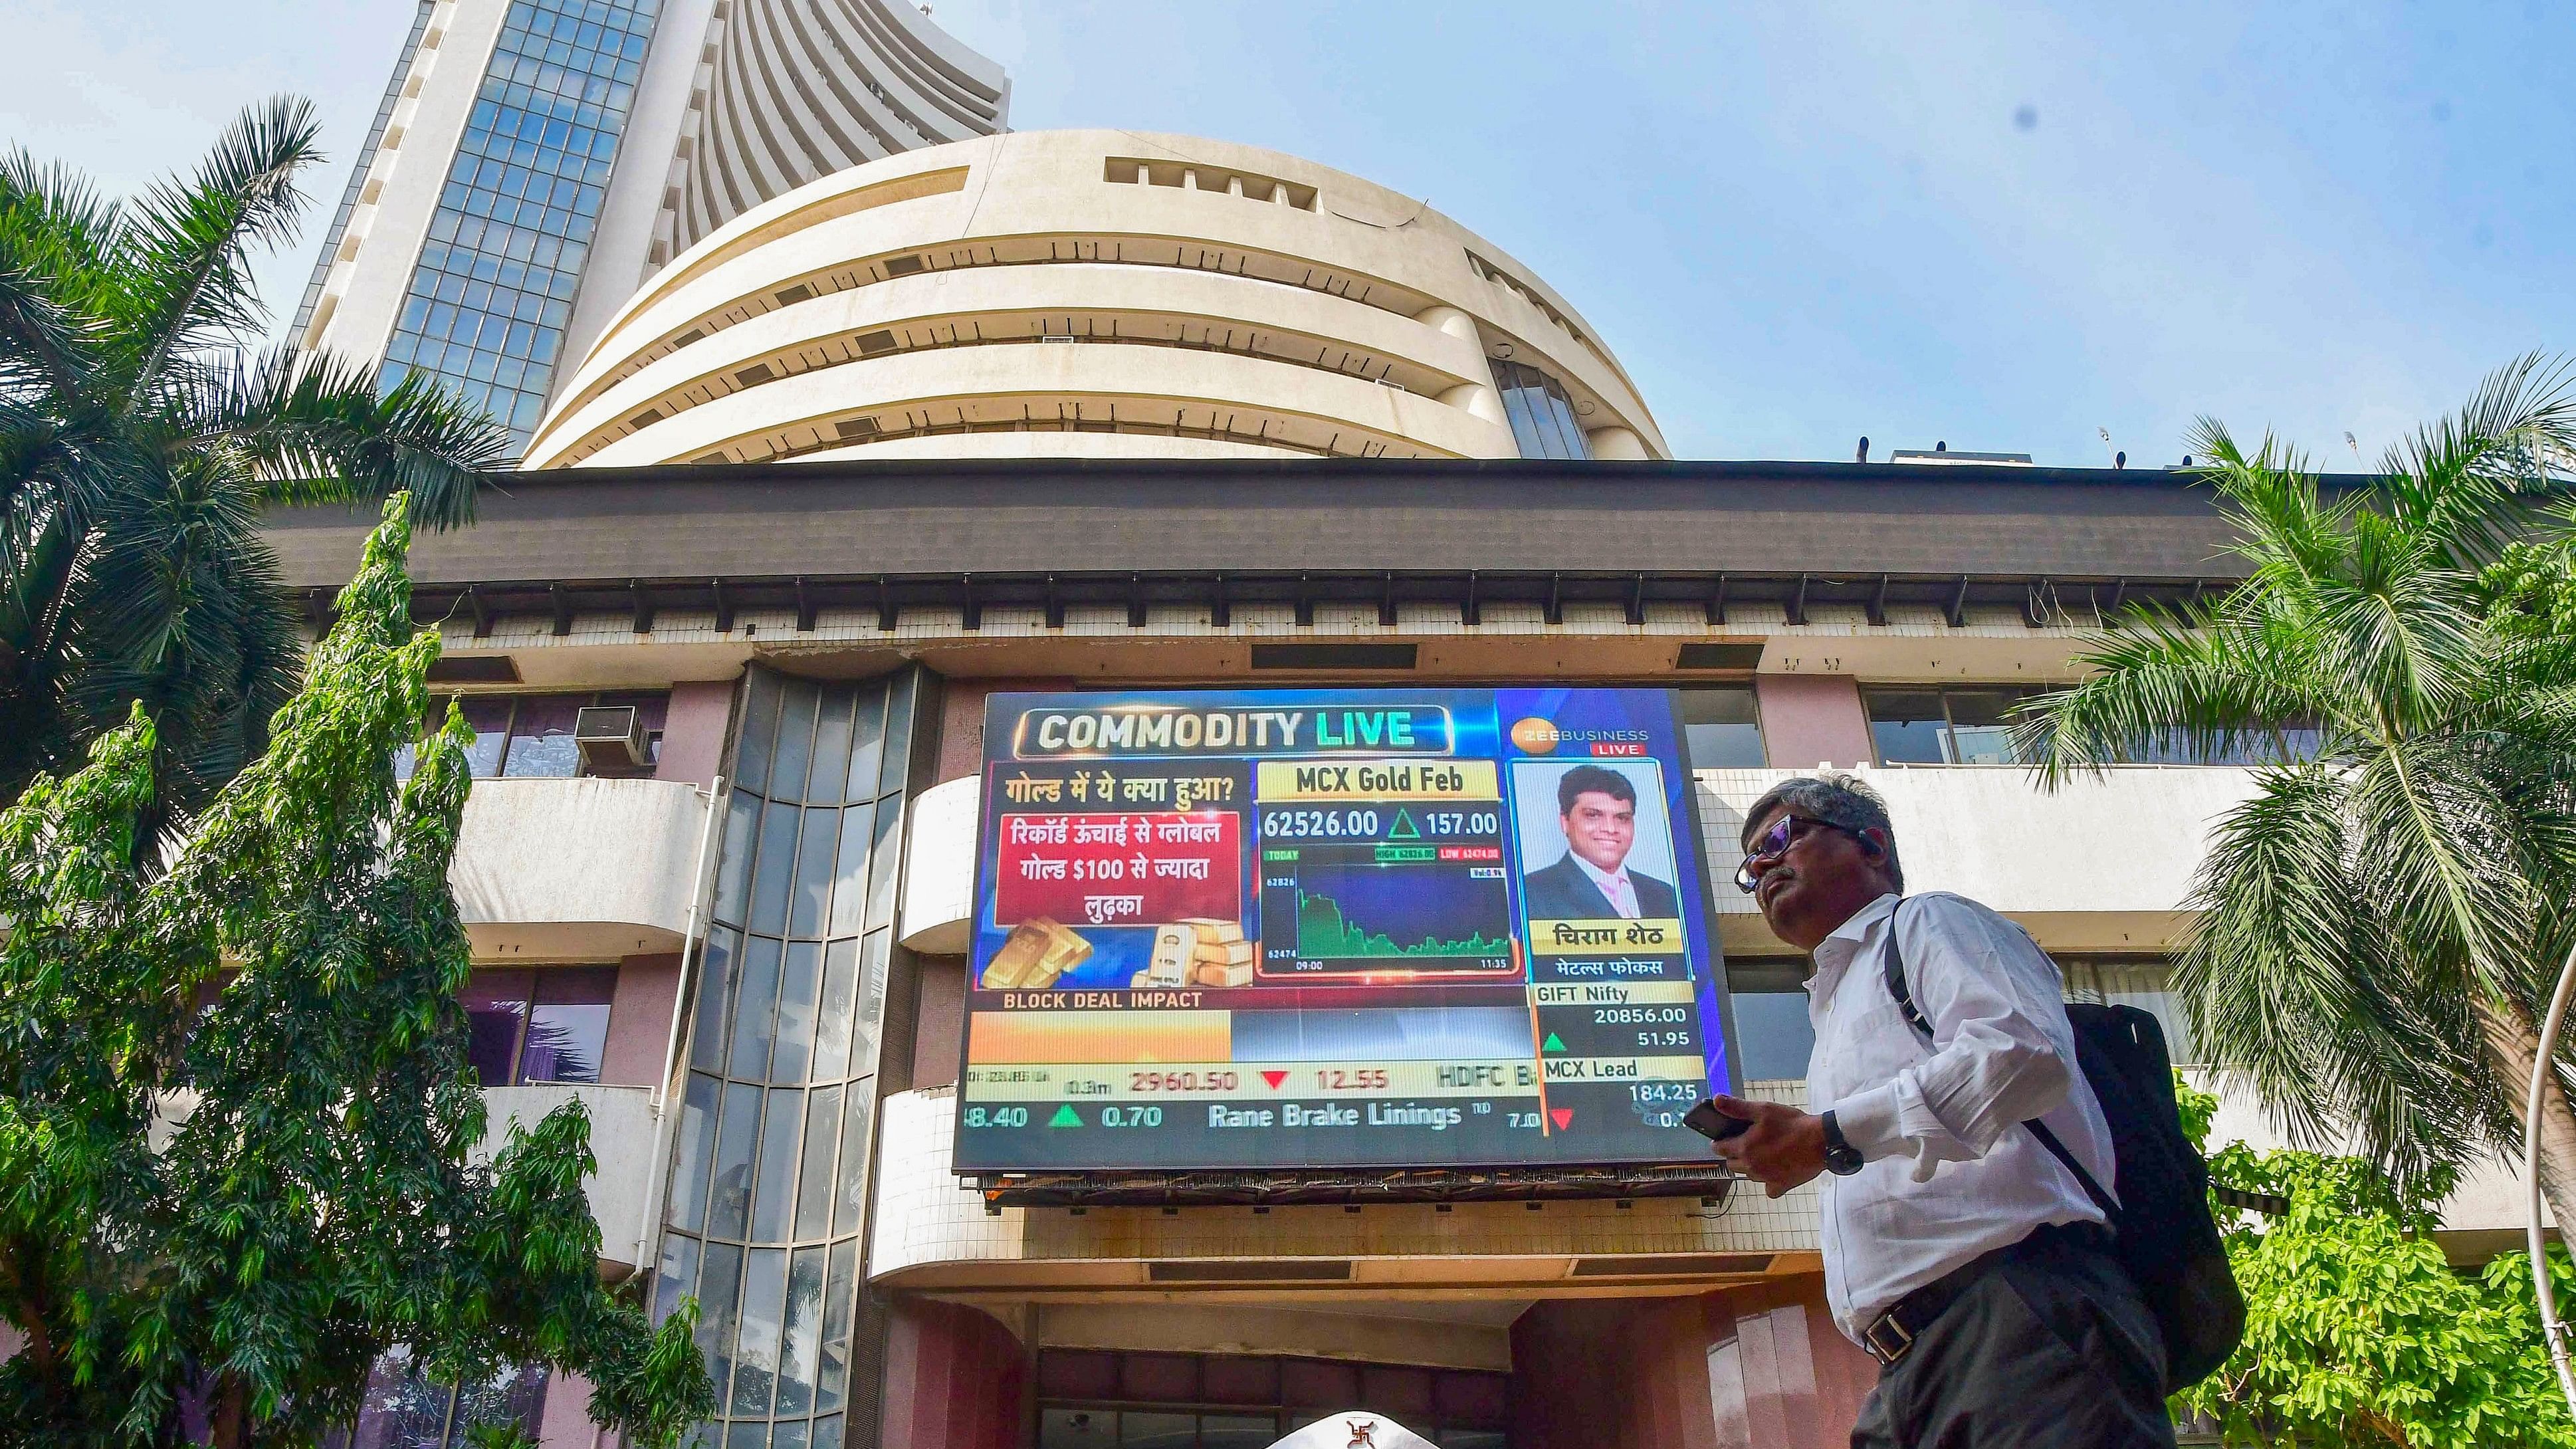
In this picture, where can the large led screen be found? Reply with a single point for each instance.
(1336, 928)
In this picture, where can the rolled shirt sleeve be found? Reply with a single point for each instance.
(1984, 986)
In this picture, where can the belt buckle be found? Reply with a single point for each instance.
(1887, 1353)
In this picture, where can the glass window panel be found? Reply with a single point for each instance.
(776, 870)
(1772, 1030)
(827, 1433)
(733, 864)
(568, 1025)
(541, 737)
(1138, 1429)
(764, 1307)
(402, 1409)
(1979, 734)
(840, 1297)
(849, 872)
(772, 1202)
(795, 741)
(873, 953)
(831, 749)
(832, 1021)
(490, 716)
(885, 859)
(803, 1339)
(1077, 1428)
(789, 1435)
(694, 1145)
(1722, 730)
(496, 1007)
(897, 762)
(867, 742)
(814, 1180)
(677, 1276)
(737, 1133)
(759, 731)
(815, 867)
(718, 958)
(1908, 727)
(754, 1006)
(513, 1396)
(719, 1292)
(1237, 1431)
(795, 1049)
(753, 1435)
(853, 1169)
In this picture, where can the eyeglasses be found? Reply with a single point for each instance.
(1775, 842)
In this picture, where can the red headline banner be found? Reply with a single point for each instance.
(1109, 870)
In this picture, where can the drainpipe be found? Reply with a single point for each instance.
(690, 934)
(2543, 1068)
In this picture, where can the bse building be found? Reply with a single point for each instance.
(1112, 762)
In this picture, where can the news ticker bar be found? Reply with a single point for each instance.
(1238, 1081)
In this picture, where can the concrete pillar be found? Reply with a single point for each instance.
(1477, 397)
(1617, 444)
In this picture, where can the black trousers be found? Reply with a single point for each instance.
(2051, 1345)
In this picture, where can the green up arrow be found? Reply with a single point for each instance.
(1551, 1044)
(1065, 1116)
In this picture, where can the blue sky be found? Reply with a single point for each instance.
(2001, 226)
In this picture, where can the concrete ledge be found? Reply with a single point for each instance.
(577, 870)
(621, 1137)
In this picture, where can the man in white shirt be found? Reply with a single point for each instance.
(1963, 1256)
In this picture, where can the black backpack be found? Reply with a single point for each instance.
(2164, 1233)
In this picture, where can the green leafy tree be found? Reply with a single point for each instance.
(2358, 1332)
(2378, 925)
(140, 440)
(239, 1141)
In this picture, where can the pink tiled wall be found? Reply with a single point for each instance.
(1809, 720)
(639, 1020)
(693, 735)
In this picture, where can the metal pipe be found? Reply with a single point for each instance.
(2543, 1068)
(689, 935)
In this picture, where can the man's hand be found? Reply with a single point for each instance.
(1783, 1148)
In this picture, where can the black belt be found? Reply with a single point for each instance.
(1891, 1335)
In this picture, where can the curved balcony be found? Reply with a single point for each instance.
(939, 869)
(577, 870)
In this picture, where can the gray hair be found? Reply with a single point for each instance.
(1836, 799)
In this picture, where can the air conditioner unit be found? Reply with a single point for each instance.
(611, 737)
(1051, 337)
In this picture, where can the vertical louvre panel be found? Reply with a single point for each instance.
(766, 1205)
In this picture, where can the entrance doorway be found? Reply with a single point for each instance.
(1106, 1399)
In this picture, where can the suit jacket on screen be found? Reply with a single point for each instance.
(1562, 892)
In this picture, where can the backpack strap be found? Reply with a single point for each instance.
(1896, 987)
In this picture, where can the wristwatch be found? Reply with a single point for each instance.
(1841, 1158)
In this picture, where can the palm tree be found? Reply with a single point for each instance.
(141, 438)
(2379, 923)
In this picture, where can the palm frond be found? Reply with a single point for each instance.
(185, 250)
(314, 428)
(2198, 682)
(2462, 483)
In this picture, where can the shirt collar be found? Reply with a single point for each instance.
(1599, 876)
(1835, 952)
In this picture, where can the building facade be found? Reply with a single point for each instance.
(1106, 294)
(774, 1075)
(533, 161)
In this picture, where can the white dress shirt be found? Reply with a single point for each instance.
(1950, 1171)
(1614, 885)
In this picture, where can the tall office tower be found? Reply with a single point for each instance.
(533, 161)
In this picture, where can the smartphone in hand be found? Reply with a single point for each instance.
(1713, 1124)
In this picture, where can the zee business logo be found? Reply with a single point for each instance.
(1535, 736)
